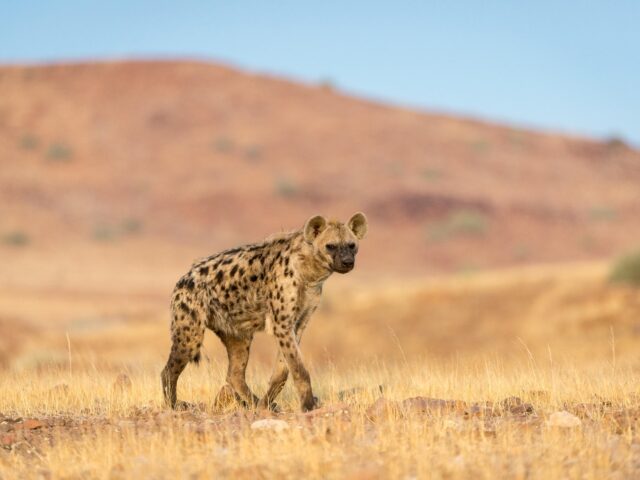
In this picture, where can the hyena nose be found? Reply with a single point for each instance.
(348, 262)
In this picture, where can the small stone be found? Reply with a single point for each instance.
(31, 424)
(7, 440)
(563, 419)
(270, 424)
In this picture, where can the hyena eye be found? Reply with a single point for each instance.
(352, 245)
(331, 247)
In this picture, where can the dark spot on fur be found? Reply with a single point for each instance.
(227, 261)
(219, 276)
(186, 282)
(204, 270)
(183, 306)
(253, 278)
(233, 270)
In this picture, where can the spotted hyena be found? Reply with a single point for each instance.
(275, 286)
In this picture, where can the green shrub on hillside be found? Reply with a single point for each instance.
(29, 142)
(285, 187)
(59, 152)
(458, 223)
(15, 239)
(627, 270)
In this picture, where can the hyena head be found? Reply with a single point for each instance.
(336, 243)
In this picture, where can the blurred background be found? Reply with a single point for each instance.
(493, 147)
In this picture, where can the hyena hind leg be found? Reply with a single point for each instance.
(187, 333)
(238, 354)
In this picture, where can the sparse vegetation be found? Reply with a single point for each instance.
(59, 152)
(480, 146)
(15, 238)
(432, 174)
(285, 187)
(627, 270)
(459, 223)
(105, 233)
(602, 213)
(615, 143)
(131, 226)
(29, 142)
(223, 145)
(328, 84)
(253, 153)
(521, 252)
(516, 138)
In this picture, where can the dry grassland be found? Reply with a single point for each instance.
(519, 374)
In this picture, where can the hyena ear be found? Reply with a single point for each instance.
(358, 225)
(313, 227)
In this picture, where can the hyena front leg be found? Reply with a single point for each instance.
(293, 359)
(281, 370)
(276, 383)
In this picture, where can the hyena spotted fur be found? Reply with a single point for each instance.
(275, 286)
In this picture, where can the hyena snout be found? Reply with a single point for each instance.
(344, 262)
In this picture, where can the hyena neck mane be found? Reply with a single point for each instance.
(310, 268)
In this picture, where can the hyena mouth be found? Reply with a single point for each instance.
(343, 268)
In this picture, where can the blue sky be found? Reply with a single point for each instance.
(566, 65)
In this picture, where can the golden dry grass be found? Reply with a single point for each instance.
(96, 431)
(558, 338)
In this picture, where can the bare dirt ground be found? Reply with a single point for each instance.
(196, 156)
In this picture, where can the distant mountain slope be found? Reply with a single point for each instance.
(186, 153)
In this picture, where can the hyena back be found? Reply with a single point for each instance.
(274, 285)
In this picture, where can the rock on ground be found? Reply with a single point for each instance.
(563, 419)
(270, 424)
